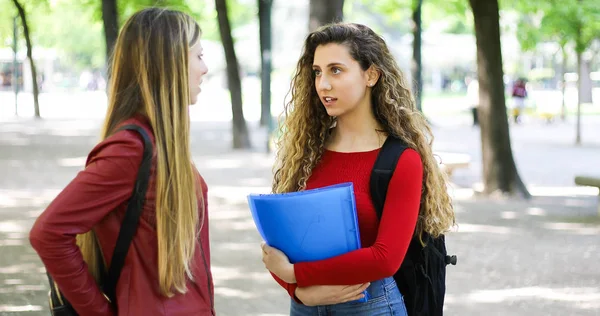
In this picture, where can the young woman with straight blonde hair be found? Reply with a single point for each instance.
(155, 74)
(348, 96)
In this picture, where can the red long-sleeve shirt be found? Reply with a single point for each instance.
(384, 243)
(97, 199)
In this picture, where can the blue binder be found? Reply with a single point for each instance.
(308, 225)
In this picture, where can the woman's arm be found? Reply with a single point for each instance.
(105, 183)
(289, 287)
(395, 232)
(323, 294)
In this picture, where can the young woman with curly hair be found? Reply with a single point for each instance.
(347, 96)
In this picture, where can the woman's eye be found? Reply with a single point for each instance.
(336, 70)
(316, 72)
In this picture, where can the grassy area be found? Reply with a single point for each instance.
(591, 220)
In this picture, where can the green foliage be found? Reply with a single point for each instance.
(241, 13)
(75, 28)
(455, 13)
(7, 12)
(564, 21)
(391, 17)
(457, 9)
(78, 38)
(397, 14)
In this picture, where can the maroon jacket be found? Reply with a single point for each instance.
(97, 198)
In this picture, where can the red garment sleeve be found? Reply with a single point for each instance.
(396, 228)
(289, 287)
(105, 183)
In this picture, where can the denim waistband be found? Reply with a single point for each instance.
(378, 288)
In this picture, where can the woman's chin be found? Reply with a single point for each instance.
(333, 112)
(193, 100)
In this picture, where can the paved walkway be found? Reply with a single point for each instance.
(537, 257)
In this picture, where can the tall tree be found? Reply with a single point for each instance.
(23, 16)
(499, 169)
(417, 65)
(241, 138)
(110, 19)
(264, 22)
(584, 16)
(325, 11)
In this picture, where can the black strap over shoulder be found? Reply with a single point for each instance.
(384, 167)
(132, 215)
(422, 275)
(59, 305)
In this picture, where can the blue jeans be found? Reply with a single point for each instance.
(384, 300)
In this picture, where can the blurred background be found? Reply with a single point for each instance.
(524, 170)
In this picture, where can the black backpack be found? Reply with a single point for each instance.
(422, 276)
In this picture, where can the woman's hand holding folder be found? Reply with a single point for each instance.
(330, 294)
(278, 263)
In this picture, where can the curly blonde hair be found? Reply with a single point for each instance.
(306, 124)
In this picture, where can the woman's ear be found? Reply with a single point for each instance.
(373, 75)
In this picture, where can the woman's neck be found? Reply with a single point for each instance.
(356, 132)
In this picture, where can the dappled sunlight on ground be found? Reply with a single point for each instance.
(72, 162)
(247, 224)
(515, 257)
(228, 215)
(560, 294)
(535, 211)
(508, 215)
(23, 308)
(488, 229)
(236, 194)
(21, 198)
(574, 228)
(234, 293)
(575, 298)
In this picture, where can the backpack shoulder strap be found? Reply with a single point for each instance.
(383, 169)
(132, 215)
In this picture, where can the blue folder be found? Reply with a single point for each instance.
(308, 225)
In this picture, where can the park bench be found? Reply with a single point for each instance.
(452, 161)
(590, 181)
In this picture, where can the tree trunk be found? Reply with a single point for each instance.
(579, 93)
(325, 11)
(22, 15)
(563, 83)
(264, 19)
(14, 80)
(111, 25)
(579, 49)
(241, 138)
(417, 66)
(499, 169)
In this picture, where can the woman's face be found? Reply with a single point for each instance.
(196, 70)
(339, 80)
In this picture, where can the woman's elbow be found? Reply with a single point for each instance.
(38, 236)
(389, 269)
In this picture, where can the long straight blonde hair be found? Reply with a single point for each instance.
(149, 75)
